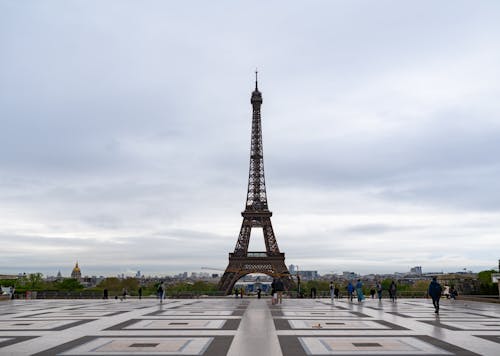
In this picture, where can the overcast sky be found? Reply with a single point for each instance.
(125, 133)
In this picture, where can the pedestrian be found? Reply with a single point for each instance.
(105, 293)
(378, 287)
(241, 292)
(359, 291)
(446, 291)
(453, 293)
(350, 291)
(140, 293)
(372, 292)
(259, 291)
(332, 291)
(393, 291)
(313, 292)
(279, 287)
(124, 294)
(236, 292)
(336, 292)
(274, 295)
(434, 292)
(159, 292)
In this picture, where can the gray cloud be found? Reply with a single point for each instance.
(125, 127)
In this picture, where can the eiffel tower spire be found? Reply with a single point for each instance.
(255, 215)
(256, 194)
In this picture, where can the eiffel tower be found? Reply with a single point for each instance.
(256, 215)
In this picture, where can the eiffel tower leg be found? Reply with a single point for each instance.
(239, 266)
(227, 282)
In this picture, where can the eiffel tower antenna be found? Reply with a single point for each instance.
(255, 215)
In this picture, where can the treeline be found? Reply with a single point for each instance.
(115, 286)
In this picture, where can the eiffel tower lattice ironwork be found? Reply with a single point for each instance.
(256, 214)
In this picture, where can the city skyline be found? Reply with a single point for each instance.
(125, 134)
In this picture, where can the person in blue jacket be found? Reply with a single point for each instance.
(350, 290)
(359, 291)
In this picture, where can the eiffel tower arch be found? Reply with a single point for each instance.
(255, 215)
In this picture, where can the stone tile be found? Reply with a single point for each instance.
(247, 327)
(374, 345)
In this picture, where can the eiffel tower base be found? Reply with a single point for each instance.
(256, 262)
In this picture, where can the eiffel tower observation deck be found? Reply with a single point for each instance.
(255, 215)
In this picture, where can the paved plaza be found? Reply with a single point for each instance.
(241, 327)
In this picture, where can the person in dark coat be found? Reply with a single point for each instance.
(159, 292)
(313, 292)
(279, 287)
(393, 290)
(372, 292)
(434, 292)
(378, 287)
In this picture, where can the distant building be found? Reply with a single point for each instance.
(349, 275)
(308, 275)
(76, 273)
(291, 268)
(416, 270)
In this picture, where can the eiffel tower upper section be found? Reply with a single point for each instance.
(256, 194)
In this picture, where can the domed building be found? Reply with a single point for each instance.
(76, 273)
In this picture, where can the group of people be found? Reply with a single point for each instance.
(434, 291)
(358, 289)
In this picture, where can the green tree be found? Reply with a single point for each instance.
(35, 281)
(486, 285)
(69, 284)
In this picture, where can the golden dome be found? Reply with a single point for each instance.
(76, 269)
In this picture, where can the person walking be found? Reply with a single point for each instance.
(332, 291)
(313, 292)
(350, 291)
(372, 292)
(453, 293)
(274, 295)
(259, 291)
(105, 293)
(359, 291)
(435, 291)
(393, 291)
(378, 287)
(159, 292)
(279, 287)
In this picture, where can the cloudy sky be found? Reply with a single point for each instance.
(125, 133)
